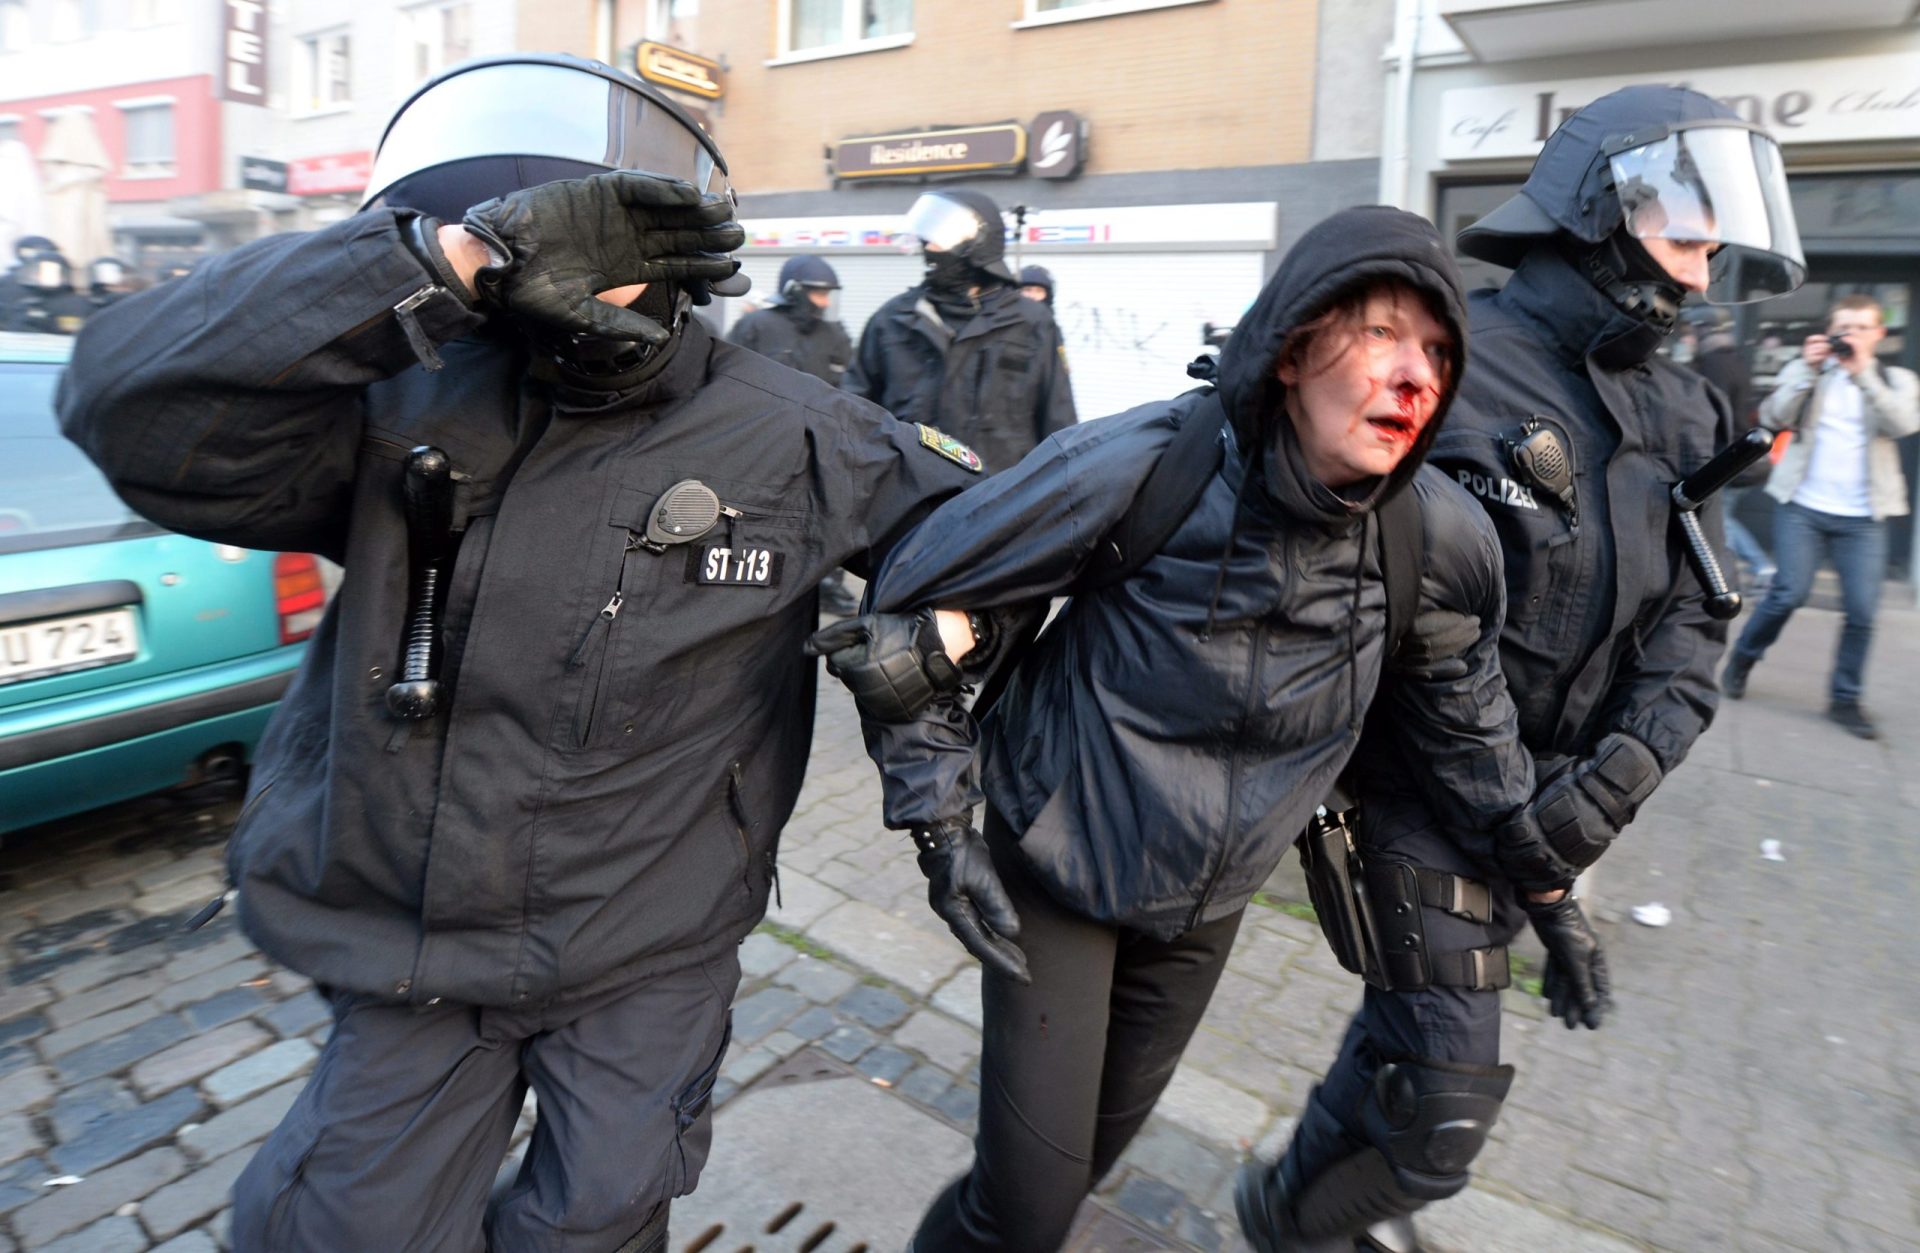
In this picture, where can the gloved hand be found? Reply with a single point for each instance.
(1581, 811)
(964, 890)
(1526, 859)
(894, 664)
(1576, 984)
(569, 239)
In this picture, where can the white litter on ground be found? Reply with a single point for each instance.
(1652, 914)
(1770, 850)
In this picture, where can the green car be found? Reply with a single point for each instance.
(132, 660)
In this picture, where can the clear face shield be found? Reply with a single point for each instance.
(107, 274)
(1722, 183)
(941, 225)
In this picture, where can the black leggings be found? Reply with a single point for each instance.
(1071, 1066)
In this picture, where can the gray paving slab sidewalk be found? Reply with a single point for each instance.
(1756, 1091)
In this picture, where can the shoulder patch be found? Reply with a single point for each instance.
(950, 448)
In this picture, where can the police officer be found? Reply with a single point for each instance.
(1036, 283)
(963, 351)
(530, 863)
(44, 301)
(27, 248)
(1571, 431)
(108, 279)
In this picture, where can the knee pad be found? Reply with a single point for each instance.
(1429, 1119)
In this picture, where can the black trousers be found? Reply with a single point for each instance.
(396, 1139)
(1070, 1066)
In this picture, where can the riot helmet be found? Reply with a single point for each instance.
(1655, 163)
(1037, 276)
(964, 226)
(27, 247)
(802, 274)
(108, 274)
(45, 272)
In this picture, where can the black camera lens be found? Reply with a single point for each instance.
(1841, 348)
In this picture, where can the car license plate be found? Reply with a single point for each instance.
(33, 650)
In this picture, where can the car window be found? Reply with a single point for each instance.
(50, 494)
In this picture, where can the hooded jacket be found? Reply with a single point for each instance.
(796, 334)
(1167, 737)
(626, 729)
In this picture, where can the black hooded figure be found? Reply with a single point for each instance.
(1160, 745)
(529, 866)
(1570, 432)
(795, 329)
(964, 352)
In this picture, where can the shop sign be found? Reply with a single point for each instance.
(1059, 145)
(1247, 225)
(260, 174)
(969, 149)
(243, 51)
(1832, 100)
(680, 70)
(330, 175)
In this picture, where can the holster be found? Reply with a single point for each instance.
(1334, 872)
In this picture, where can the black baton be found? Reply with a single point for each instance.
(427, 497)
(1691, 492)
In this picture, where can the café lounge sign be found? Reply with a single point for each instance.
(1834, 100)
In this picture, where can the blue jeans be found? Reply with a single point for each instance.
(1858, 547)
(1744, 545)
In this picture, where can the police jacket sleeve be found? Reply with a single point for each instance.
(1057, 412)
(1008, 543)
(1448, 702)
(226, 404)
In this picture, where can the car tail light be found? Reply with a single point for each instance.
(298, 594)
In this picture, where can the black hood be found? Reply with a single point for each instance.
(1351, 248)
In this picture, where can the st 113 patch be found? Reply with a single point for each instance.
(721, 566)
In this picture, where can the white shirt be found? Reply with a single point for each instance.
(1836, 479)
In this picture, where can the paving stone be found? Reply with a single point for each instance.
(761, 955)
(224, 1008)
(819, 981)
(210, 954)
(876, 1007)
(116, 1053)
(803, 901)
(270, 1066)
(1165, 1152)
(19, 1030)
(959, 997)
(123, 1133)
(119, 1234)
(209, 983)
(16, 1001)
(25, 1088)
(199, 1196)
(939, 1039)
(1152, 1201)
(20, 1182)
(199, 1055)
(58, 1043)
(959, 1102)
(885, 1063)
(113, 995)
(85, 904)
(1212, 1110)
(298, 1015)
(185, 896)
(848, 1042)
(81, 1106)
(17, 1137)
(814, 1023)
(783, 1044)
(743, 1068)
(191, 1242)
(63, 1210)
(926, 1084)
(765, 1010)
(890, 947)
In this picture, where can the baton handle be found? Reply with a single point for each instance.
(427, 499)
(1723, 603)
(1692, 492)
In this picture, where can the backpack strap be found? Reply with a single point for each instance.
(1402, 544)
(1172, 488)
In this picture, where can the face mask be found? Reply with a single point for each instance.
(948, 273)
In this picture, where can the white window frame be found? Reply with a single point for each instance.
(846, 48)
(151, 169)
(16, 26)
(307, 73)
(436, 59)
(1035, 16)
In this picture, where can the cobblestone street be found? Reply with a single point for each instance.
(1757, 1090)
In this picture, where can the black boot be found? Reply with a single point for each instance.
(1266, 1215)
(1395, 1235)
(1733, 678)
(1849, 715)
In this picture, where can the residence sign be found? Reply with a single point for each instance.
(963, 149)
(1832, 100)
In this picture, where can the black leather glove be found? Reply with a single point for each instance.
(1576, 984)
(964, 889)
(894, 664)
(569, 239)
(1580, 812)
(1527, 860)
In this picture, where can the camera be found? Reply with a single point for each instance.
(1841, 348)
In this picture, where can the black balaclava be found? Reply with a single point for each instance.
(951, 280)
(594, 363)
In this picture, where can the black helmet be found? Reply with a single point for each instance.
(1654, 161)
(1037, 276)
(107, 272)
(496, 125)
(964, 224)
(45, 271)
(807, 273)
(27, 247)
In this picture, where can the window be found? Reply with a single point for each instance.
(439, 37)
(663, 16)
(9, 129)
(324, 74)
(149, 139)
(1047, 12)
(812, 28)
(72, 19)
(13, 25)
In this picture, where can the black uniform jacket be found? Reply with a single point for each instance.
(1606, 625)
(997, 382)
(628, 728)
(795, 335)
(1159, 752)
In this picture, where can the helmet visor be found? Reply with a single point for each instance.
(1725, 185)
(522, 109)
(942, 225)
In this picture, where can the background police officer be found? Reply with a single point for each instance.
(42, 299)
(963, 351)
(530, 866)
(1572, 432)
(1036, 283)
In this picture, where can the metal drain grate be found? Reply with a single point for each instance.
(790, 1229)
